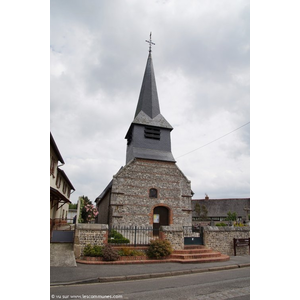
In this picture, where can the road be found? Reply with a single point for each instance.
(228, 284)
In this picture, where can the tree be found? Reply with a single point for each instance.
(87, 210)
(231, 216)
(201, 211)
(197, 209)
(72, 206)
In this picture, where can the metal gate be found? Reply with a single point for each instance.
(62, 236)
(131, 235)
(193, 235)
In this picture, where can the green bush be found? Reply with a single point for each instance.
(221, 224)
(117, 238)
(118, 241)
(94, 251)
(109, 254)
(87, 250)
(159, 249)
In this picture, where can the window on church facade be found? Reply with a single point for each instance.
(152, 133)
(153, 193)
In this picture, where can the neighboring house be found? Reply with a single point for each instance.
(217, 209)
(60, 187)
(72, 212)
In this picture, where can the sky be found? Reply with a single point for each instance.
(201, 60)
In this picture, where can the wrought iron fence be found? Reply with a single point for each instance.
(131, 235)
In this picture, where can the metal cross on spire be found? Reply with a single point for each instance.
(150, 42)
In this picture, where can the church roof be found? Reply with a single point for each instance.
(147, 111)
(101, 196)
(158, 121)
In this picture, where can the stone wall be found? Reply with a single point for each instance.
(221, 239)
(173, 234)
(130, 201)
(94, 234)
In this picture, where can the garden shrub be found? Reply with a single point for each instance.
(117, 238)
(87, 250)
(159, 249)
(94, 251)
(109, 254)
(221, 224)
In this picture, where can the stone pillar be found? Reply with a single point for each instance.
(173, 234)
(94, 234)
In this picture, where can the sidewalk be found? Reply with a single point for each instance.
(107, 273)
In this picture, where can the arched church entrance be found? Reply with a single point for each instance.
(160, 218)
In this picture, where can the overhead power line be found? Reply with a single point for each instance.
(213, 140)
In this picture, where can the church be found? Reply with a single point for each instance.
(150, 190)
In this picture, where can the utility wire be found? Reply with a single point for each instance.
(213, 140)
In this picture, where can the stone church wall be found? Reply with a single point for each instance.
(221, 239)
(130, 201)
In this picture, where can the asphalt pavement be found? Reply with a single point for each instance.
(85, 273)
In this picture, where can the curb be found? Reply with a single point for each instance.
(149, 276)
(152, 261)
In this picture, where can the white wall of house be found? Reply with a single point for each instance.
(59, 182)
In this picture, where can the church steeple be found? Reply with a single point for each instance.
(148, 100)
(149, 134)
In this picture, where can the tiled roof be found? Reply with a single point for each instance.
(220, 207)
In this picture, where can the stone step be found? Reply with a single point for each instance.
(190, 254)
(222, 257)
(189, 247)
(196, 255)
(191, 251)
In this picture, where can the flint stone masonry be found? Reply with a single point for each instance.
(221, 239)
(127, 200)
(173, 234)
(94, 234)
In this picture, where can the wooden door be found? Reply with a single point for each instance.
(160, 218)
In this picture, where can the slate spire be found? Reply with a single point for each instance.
(148, 99)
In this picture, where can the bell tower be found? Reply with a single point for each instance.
(149, 135)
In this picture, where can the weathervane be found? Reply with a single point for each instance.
(150, 42)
